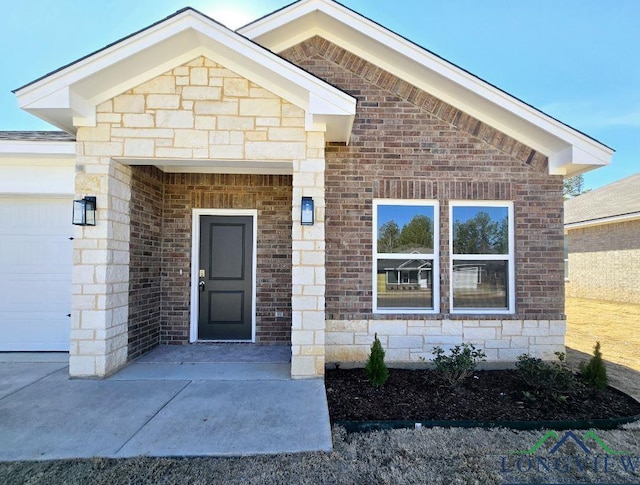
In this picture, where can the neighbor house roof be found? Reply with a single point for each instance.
(68, 97)
(618, 201)
(36, 136)
(569, 151)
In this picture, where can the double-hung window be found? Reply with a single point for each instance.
(405, 245)
(482, 272)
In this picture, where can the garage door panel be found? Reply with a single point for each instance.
(51, 330)
(35, 273)
(19, 293)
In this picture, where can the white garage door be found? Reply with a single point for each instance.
(35, 273)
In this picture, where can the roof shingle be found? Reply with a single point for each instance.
(616, 199)
(36, 136)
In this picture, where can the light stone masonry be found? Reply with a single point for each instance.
(406, 341)
(199, 110)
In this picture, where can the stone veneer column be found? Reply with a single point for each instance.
(101, 260)
(308, 259)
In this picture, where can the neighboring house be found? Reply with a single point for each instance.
(200, 142)
(602, 230)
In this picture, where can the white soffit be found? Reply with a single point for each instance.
(569, 151)
(252, 167)
(67, 98)
(38, 149)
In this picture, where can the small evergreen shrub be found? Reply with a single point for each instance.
(376, 368)
(460, 364)
(548, 376)
(595, 372)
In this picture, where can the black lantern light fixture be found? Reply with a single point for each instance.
(84, 211)
(306, 217)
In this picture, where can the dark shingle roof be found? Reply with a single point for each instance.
(36, 136)
(616, 199)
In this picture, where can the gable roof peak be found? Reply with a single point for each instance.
(569, 151)
(68, 97)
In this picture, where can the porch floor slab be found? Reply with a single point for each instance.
(168, 371)
(45, 415)
(207, 353)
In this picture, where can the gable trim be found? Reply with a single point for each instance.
(68, 97)
(569, 151)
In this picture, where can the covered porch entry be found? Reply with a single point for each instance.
(210, 258)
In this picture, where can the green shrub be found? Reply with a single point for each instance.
(550, 376)
(376, 368)
(460, 364)
(595, 372)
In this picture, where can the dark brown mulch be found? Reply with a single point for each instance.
(487, 395)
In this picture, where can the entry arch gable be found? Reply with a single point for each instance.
(196, 214)
(69, 96)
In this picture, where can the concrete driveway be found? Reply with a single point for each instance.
(157, 408)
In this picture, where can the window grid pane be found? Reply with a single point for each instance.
(480, 284)
(405, 283)
(405, 244)
(480, 230)
(481, 257)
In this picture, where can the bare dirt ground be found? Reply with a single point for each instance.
(615, 325)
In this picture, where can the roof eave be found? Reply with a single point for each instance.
(67, 98)
(31, 148)
(603, 220)
(569, 151)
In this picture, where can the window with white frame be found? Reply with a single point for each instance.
(482, 257)
(405, 242)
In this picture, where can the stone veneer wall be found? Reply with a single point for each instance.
(407, 144)
(604, 262)
(198, 111)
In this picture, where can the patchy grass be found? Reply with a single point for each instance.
(437, 456)
(615, 325)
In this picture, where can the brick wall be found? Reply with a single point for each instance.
(145, 263)
(407, 144)
(604, 262)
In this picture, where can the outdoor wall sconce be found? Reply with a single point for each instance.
(306, 218)
(84, 211)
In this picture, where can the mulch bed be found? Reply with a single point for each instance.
(486, 396)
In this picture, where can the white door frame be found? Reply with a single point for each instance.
(195, 263)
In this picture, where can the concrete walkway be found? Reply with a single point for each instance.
(158, 406)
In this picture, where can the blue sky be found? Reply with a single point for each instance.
(577, 60)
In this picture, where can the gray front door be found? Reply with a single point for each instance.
(225, 278)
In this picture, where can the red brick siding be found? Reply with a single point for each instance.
(604, 262)
(408, 144)
(145, 260)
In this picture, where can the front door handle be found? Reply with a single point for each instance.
(201, 285)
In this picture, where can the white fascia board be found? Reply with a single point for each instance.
(78, 71)
(82, 86)
(417, 66)
(605, 220)
(573, 160)
(46, 149)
